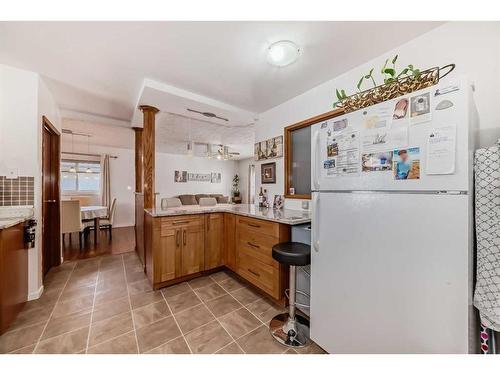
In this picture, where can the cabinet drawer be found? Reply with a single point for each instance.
(169, 223)
(262, 227)
(261, 250)
(261, 275)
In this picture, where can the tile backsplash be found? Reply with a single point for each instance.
(17, 191)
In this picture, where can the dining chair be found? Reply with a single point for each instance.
(72, 219)
(107, 223)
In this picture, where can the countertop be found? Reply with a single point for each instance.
(13, 215)
(283, 216)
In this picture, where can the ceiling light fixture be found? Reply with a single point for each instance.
(282, 53)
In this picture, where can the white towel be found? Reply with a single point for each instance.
(487, 205)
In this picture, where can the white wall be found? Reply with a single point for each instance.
(166, 164)
(24, 99)
(242, 170)
(473, 46)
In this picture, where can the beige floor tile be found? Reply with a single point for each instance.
(239, 322)
(110, 294)
(20, 338)
(208, 338)
(150, 313)
(141, 286)
(69, 343)
(25, 350)
(259, 341)
(117, 282)
(157, 333)
(223, 305)
(70, 306)
(63, 324)
(264, 309)
(312, 348)
(200, 282)
(220, 276)
(176, 346)
(77, 292)
(290, 351)
(48, 299)
(209, 292)
(125, 344)
(143, 299)
(232, 348)
(231, 284)
(183, 301)
(135, 276)
(193, 318)
(246, 295)
(110, 309)
(175, 289)
(110, 328)
(29, 317)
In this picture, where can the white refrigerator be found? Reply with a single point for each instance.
(392, 230)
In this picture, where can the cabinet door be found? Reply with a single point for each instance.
(193, 249)
(167, 259)
(214, 240)
(230, 241)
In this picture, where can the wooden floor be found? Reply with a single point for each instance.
(123, 241)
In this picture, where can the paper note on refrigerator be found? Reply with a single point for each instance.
(343, 154)
(441, 144)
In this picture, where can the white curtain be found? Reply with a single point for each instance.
(105, 181)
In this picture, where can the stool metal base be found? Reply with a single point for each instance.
(290, 333)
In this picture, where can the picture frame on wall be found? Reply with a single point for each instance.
(268, 173)
(269, 149)
(180, 176)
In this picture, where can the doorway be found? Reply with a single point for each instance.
(51, 212)
(251, 184)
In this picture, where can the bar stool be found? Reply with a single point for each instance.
(291, 329)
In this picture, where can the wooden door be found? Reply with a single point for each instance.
(214, 240)
(230, 241)
(167, 259)
(193, 249)
(51, 226)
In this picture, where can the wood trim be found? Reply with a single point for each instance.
(148, 154)
(288, 147)
(138, 160)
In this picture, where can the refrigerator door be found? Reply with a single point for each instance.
(389, 273)
(359, 129)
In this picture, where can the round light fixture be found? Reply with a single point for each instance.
(283, 53)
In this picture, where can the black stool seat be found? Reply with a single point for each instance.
(292, 253)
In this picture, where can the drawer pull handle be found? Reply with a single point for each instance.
(177, 237)
(253, 245)
(253, 272)
(184, 237)
(254, 225)
(180, 222)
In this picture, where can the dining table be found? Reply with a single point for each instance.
(94, 213)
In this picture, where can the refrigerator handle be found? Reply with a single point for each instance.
(315, 222)
(317, 150)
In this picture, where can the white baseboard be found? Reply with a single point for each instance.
(36, 294)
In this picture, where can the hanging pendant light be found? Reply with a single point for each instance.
(72, 169)
(88, 170)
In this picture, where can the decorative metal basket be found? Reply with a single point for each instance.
(392, 90)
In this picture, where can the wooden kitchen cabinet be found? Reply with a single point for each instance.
(214, 240)
(230, 241)
(174, 247)
(13, 274)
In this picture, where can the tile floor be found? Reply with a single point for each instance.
(106, 305)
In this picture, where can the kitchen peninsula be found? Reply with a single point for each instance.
(186, 242)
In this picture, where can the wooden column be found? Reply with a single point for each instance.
(148, 154)
(139, 182)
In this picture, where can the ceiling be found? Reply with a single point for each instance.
(106, 69)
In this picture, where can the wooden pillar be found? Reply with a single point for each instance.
(148, 154)
(139, 182)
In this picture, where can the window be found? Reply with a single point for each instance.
(80, 176)
(298, 156)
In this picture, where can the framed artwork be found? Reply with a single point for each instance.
(199, 177)
(216, 178)
(268, 173)
(269, 149)
(180, 176)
